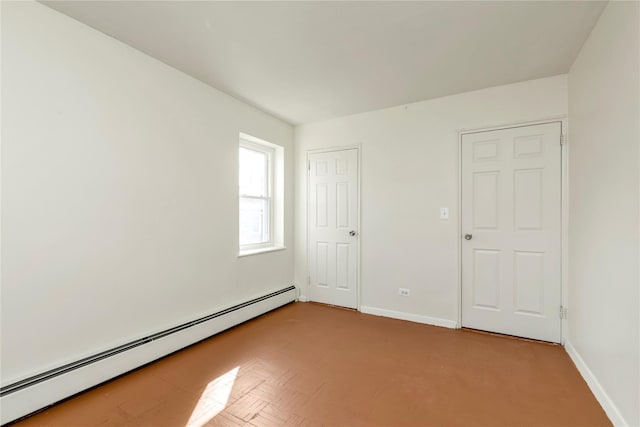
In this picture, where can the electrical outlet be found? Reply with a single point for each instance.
(404, 292)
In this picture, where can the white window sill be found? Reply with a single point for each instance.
(250, 252)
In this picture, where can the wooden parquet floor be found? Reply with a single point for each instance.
(311, 365)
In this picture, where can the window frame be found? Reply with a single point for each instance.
(258, 146)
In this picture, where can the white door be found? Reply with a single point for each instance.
(511, 229)
(333, 227)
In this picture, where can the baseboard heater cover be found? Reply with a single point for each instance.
(31, 394)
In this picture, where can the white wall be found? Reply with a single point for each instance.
(409, 170)
(119, 194)
(604, 120)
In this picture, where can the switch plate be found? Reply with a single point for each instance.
(444, 213)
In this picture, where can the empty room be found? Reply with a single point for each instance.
(320, 213)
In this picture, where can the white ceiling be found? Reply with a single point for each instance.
(308, 61)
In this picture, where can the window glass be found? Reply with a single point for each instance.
(260, 196)
(254, 221)
(253, 172)
(255, 182)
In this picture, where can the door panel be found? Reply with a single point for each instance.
(486, 279)
(511, 207)
(333, 214)
(485, 200)
(528, 280)
(527, 201)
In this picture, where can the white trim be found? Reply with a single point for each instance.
(303, 298)
(459, 233)
(612, 411)
(40, 395)
(564, 237)
(333, 148)
(269, 177)
(275, 194)
(559, 118)
(564, 202)
(250, 252)
(260, 142)
(434, 321)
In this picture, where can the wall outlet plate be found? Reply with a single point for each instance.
(404, 292)
(444, 213)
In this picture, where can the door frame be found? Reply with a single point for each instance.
(564, 208)
(310, 152)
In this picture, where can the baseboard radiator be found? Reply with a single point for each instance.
(39, 391)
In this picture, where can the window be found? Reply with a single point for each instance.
(255, 195)
(260, 195)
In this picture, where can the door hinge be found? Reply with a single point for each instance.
(308, 280)
(561, 139)
(563, 312)
(308, 164)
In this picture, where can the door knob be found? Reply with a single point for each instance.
(468, 237)
(352, 233)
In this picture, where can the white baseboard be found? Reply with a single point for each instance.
(303, 298)
(596, 388)
(42, 394)
(435, 321)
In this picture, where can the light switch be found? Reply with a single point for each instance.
(444, 213)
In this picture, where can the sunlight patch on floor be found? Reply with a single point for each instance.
(214, 399)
